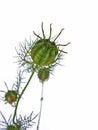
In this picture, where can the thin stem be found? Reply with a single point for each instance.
(41, 101)
(50, 31)
(37, 35)
(64, 44)
(58, 34)
(15, 111)
(4, 118)
(63, 51)
(43, 31)
(6, 86)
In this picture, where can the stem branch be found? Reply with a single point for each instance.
(15, 111)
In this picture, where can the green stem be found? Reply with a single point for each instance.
(15, 111)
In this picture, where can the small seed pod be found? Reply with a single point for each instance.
(11, 96)
(12, 127)
(43, 74)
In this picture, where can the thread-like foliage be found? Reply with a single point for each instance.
(41, 57)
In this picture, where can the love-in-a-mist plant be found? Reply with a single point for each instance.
(41, 57)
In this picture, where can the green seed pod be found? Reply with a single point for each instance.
(44, 52)
(43, 74)
(37, 45)
(39, 54)
(44, 59)
(12, 127)
(51, 57)
(11, 96)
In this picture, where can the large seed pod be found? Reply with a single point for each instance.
(11, 96)
(43, 74)
(44, 52)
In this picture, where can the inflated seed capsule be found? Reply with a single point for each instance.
(36, 47)
(11, 96)
(51, 57)
(44, 52)
(43, 74)
(40, 53)
(45, 57)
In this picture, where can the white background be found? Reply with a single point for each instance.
(71, 94)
